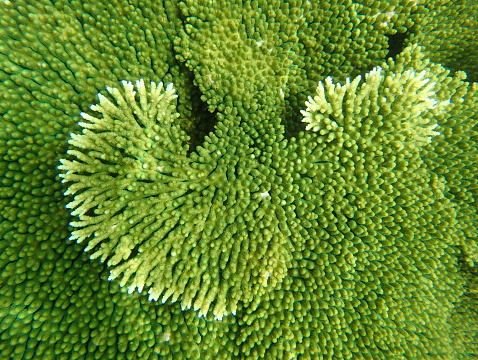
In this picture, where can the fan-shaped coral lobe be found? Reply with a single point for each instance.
(336, 105)
(185, 227)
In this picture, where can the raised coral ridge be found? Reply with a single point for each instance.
(189, 228)
(335, 106)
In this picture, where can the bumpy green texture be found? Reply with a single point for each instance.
(449, 34)
(189, 227)
(304, 212)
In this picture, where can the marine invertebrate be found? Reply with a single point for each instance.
(327, 114)
(363, 226)
(189, 227)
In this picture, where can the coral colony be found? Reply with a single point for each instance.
(238, 180)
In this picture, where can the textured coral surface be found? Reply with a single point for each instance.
(238, 179)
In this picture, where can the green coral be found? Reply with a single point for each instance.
(308, 196)
(448, 34)
(190, 228)
(335, 106)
